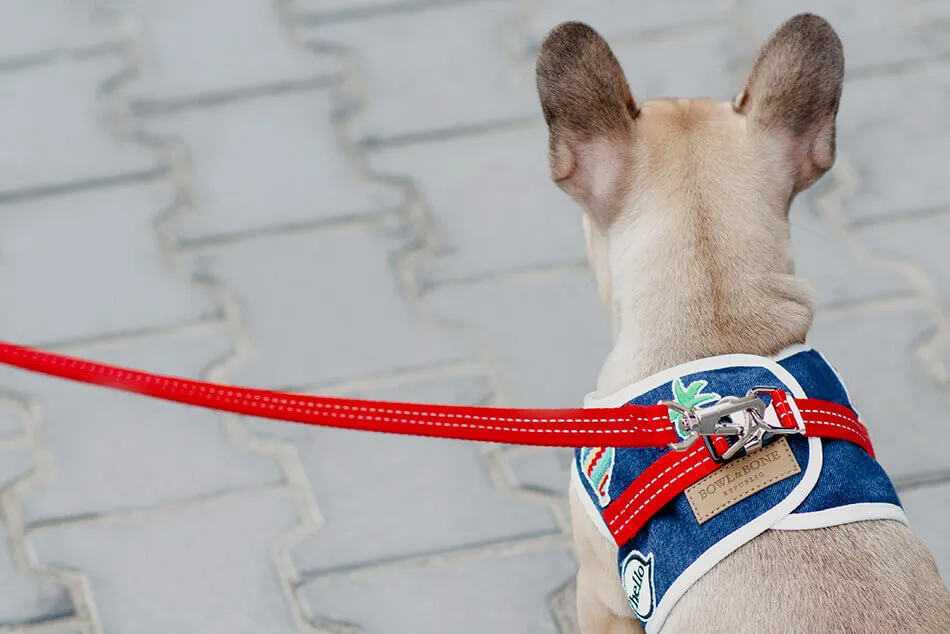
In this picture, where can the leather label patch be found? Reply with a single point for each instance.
(737, 480)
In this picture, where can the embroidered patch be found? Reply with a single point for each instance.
(637, 575)
(737, 480)
(689, 397)
(597, 465)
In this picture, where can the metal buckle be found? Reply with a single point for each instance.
(742, 418)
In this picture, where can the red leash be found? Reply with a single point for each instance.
(629, 426)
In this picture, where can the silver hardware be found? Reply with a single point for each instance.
(730, 416)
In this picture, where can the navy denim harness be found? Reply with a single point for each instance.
(838, 483)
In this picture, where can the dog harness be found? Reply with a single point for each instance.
(779, 480)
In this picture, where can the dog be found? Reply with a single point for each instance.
(685, 212)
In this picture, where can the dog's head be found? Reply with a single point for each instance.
(686, 200)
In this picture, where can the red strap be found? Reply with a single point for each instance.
(674, 472)
(614, 427)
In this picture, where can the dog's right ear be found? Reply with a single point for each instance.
(590, 115)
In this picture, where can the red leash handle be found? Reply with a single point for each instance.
(615, 427)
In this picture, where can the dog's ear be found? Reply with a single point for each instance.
(793, 91)
(590, 115)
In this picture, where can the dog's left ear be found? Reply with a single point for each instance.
(590, 115)
(793, 93)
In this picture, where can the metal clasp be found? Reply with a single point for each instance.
(742, 418)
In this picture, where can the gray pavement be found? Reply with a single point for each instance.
(351, 197)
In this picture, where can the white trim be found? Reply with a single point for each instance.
(860, 512)
(588, 504)
(791, 351)
(627, 394)
(730, 543)
(844, 386)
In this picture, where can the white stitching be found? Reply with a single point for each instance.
(633, 515)
(858, 429)
(643, 490)
(280, 404)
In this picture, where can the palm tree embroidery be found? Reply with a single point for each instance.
(689, 397)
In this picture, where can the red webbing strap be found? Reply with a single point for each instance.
(674, 472)
(632, 426)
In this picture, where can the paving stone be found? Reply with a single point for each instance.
(25, 598)
(12, 421)
(542, 469)
(617, 19)
(322, 306)
(547, 332)
(503, 594)
(875, 356)
(492, 200)
(66, 260)
(836, 277)
(117, 451)
(317, 10)
(189, 51)
(32, 28)
(389, 497)
(199, 568)
(296, 173)
(427, 72)
(54, 133)
(874, 33)
(886, 129)
(933, 13)
(929, 513)
(710, 63)
(15, 462)
(921, 240)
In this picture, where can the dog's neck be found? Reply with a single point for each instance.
(698, 301)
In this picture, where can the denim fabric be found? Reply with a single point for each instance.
(673, 539)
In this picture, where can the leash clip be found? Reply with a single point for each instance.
(742, 418)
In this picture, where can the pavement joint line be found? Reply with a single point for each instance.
(366, 219)
(530, 543)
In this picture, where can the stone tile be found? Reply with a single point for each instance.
(322, 306)
(30, 28)
(616, 19)
(710, 63)
(933, 13)
(547, 332)
(115, 451)
(15, 462)
(199, 568)
(316, 10)
(919, 240)
(67, 259)
(491, 198)
(54, 132)
(296, 173)
(875, 356)
(929, 513)
(503, 594)
(12, 421)
(542, 469)
(389, 497)
(874, 33)
(188, 50)
(455, 73)
(886, 128)
(836, 277)
(24, 597)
